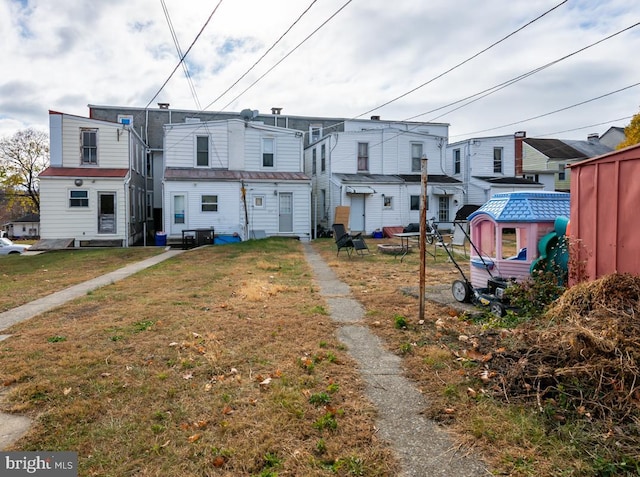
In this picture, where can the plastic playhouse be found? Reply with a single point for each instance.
(517, 232)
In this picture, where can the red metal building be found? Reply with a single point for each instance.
(605, 215)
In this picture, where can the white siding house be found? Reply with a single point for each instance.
(236, 176)
(374, 167)
(486, 166)
(94, 190)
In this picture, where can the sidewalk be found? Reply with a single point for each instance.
(424, 448)
(31, 309)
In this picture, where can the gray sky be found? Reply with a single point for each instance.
(65, 54)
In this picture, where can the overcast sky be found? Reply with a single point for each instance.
(65, 54)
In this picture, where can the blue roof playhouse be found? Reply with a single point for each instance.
(539, 220)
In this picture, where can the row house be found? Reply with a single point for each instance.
(374, 168)
(486, 166)
(94, 191)
(240, 177)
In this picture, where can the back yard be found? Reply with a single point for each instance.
(223, 361)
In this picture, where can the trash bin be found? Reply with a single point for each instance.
(161, 239)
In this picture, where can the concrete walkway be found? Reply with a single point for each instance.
(31, 309)
(12, 427)
(424, 448)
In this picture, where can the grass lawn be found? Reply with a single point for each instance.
(24, 278)
(223, 361)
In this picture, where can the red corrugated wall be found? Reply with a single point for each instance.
(605, 215)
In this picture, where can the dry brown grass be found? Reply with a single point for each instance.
(25, 278)
(218, 362)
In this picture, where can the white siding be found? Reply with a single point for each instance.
(180, 144)
(113, 142)
(58, 220)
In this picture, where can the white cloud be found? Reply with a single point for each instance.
(66, 54)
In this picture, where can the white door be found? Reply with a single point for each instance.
(356, 213)
(285, 211)
(178, 214)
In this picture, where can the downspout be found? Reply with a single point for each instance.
(243, 190)
(127, 210)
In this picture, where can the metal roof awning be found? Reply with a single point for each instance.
(360, 190)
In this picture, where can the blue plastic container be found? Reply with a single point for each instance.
(161, 239)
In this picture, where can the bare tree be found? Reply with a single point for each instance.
(22, 158)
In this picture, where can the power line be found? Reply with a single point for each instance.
(484, 50)
(493, 89)
(554, 112)
(585, 127)
(185, 55)
(263, 55)
(176, 42)
(288, 54)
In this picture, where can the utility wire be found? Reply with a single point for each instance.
(498, 87)
(484, 50)
(263, 55)
(176, 42)
(288, 54)
(589, 126)
(554, 112)
(185, 54)
(484, 93)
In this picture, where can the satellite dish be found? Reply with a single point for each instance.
(247, 114)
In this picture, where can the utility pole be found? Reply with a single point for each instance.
(423, 232)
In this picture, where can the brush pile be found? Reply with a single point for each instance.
(584, 357)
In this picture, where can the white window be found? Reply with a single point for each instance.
(497, 160)
(88, 146)
(387, 202)
(268, 151)
(416, 156)
(209, 203)
(126, 119)
(456, 161)
(78, 198)
(202, 151)
(259, 201)
(363, 157)
(315, 132)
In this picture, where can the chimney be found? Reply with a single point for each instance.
(163, 105)
(276, 110)
(519, 138)
(375, 118)
(593, 138)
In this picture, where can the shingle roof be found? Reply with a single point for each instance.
(554, 148)
(437, 178)
(507, 180)
(188, 173)
(526, 206)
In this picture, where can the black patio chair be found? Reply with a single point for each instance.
(348, 242)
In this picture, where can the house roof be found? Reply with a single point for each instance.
(394, 179)
(627, 152)
(368, 178)
(589, 148)
(189, 173)
(83, 172)
(438, 178)
(507, 180)
(27, 218)
(554, 148)
(532, 206)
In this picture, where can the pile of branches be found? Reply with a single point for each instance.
(584, 356)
